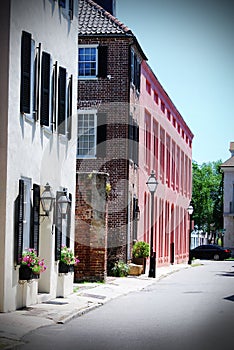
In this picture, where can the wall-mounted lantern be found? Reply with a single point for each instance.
(47, 200)
(64, 203)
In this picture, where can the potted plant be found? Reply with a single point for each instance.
(68, 260)
(140, 252)
(120, 269)
(31, 265)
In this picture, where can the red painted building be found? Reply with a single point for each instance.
(165, 143)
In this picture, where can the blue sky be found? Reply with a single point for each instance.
(190, 47)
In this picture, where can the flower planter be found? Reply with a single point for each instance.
(26, 273)
(140, 261)
(64, 268)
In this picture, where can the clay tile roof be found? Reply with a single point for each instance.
(94, 20)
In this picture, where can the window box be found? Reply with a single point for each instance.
(26, 273)
(64, 268)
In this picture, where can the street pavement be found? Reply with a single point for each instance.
(86, 297)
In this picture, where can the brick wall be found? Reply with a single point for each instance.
(91, 227)
(114, 96)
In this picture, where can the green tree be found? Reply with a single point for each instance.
(207, 196)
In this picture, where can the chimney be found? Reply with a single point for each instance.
(108, 5)
(232, 148)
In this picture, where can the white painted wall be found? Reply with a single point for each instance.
(31, 151)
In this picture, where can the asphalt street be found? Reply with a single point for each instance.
(190, 309)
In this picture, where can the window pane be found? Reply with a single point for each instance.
(86, 135)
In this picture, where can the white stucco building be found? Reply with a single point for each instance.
(38, 107)
(228, 200)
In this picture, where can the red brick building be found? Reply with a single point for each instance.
(166, 147)
(108, 99)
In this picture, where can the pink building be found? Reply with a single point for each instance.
(165, 146)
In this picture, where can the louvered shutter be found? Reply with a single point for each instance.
(68, 236)
(35, 217)
(138, 76)
(71, 9)
(101, 135)
(136, 142)
(54, 95)
(58, 228)
(25, 89)
(102, 61)
(62, 3)
(36, 83)
(130, 138)
(19, 217)
(45, 88)
(69, 113)
(62, 100)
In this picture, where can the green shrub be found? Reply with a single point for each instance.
(120, 269)
(140, 249)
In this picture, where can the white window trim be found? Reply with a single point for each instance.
(88, 156)
(92, 77)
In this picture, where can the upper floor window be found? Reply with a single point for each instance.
(28, 68)
(91, 134)
(155, 97)
(41, 78)
(92, 61)
(148, 87)
(86, 136)
(162, 106)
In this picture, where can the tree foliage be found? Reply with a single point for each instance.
(207, 196)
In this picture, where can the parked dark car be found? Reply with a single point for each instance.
(210, 251)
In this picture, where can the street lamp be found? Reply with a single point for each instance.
(152, 184)
(190, 212)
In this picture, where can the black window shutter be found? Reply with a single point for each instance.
(102, 61)
(71, 9)
(62, 3)
(130, 137)
(25, 89)
(101, 135)
(68, 236)
(19, 217)
(69, 114)
(136, 143)
(54, 95)
(35, 217)
(58, 228)
(45, 88)
(138, 81)
(36, 82)
(62, 100)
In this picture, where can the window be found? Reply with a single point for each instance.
(28, 70)
(147, 139)
(62, 121)
(27, 213)
(45, 89)
(92, 62)
(155, 97)
(148, 87)
(135, 70)
(162, 106)
(86, 143)
(133, 136)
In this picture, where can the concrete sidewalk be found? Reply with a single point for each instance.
(86, 297)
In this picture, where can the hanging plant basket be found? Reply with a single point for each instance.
(64, 268)
(26, 273)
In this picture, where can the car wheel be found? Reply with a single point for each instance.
(216, 257)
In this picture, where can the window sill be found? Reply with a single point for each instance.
(46, 130)
(28, 118)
